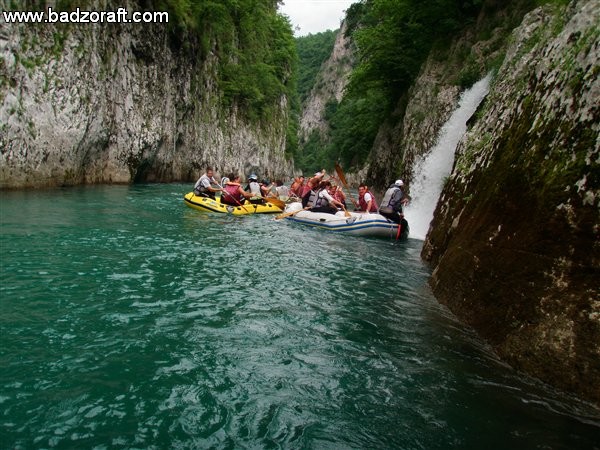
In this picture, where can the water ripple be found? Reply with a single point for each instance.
(130, 321)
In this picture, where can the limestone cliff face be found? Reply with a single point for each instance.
(330, 84)
(515, 241)
(118, 103)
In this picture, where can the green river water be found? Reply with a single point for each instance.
(129, 320)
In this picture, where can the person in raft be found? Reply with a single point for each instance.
(393, 201)
(322, 201)
(255, 189)
(312, 185)
(204, 185)
(338, 194)
(366, 200)
(297, 187)
(233, 194)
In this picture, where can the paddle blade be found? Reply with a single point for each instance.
(341, 176)
(291, 213)
(275, 201)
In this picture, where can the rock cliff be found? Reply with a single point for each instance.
(330, 85)
(515, 240)
(120, 103)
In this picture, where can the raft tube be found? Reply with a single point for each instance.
(209, 205)
(357, 224)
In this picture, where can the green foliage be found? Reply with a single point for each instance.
(254, 45)
(393, 39)
(313, 51)
(552, 2)
(468, 75)
(314, 155)
(354, 127)
(396, 37)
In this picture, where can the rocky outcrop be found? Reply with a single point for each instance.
(330, 84)
(120, 103)
(515, 240)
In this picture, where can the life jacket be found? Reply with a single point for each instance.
(392, 198)
(306, 188)
(319, 200)
(254, 189)
(232, 195)
(363, 203)
(308, 199)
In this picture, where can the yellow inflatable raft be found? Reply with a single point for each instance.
(210, 205)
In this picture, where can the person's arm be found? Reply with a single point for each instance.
(208, 185)
(397, 197)
(332, 200)
(243, 192)
(369, 202)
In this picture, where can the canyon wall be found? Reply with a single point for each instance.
(121, 103)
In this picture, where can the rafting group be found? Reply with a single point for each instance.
(316, 202)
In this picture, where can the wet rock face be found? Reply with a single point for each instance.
(515, 241)
(109, 103)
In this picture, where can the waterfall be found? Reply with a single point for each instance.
(431, 170)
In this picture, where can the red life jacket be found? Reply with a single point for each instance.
(232, 194)
(363, 203)
(305, 190)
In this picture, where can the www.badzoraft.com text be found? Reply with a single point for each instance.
(121, 15)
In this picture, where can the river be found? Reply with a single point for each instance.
(129, 320)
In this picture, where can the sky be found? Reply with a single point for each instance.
(314, 16)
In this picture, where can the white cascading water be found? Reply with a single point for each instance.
(431, 170)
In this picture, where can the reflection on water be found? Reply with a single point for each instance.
(130, 321)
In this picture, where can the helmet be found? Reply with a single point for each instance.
(253, 177)
(399, 183)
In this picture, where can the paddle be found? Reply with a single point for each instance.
(291, 213)
(342, 177)
(279, 203)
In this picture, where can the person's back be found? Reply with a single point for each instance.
(254, 189)
(282, 190)
(391, 205)
(233, 194)
(392, 199)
